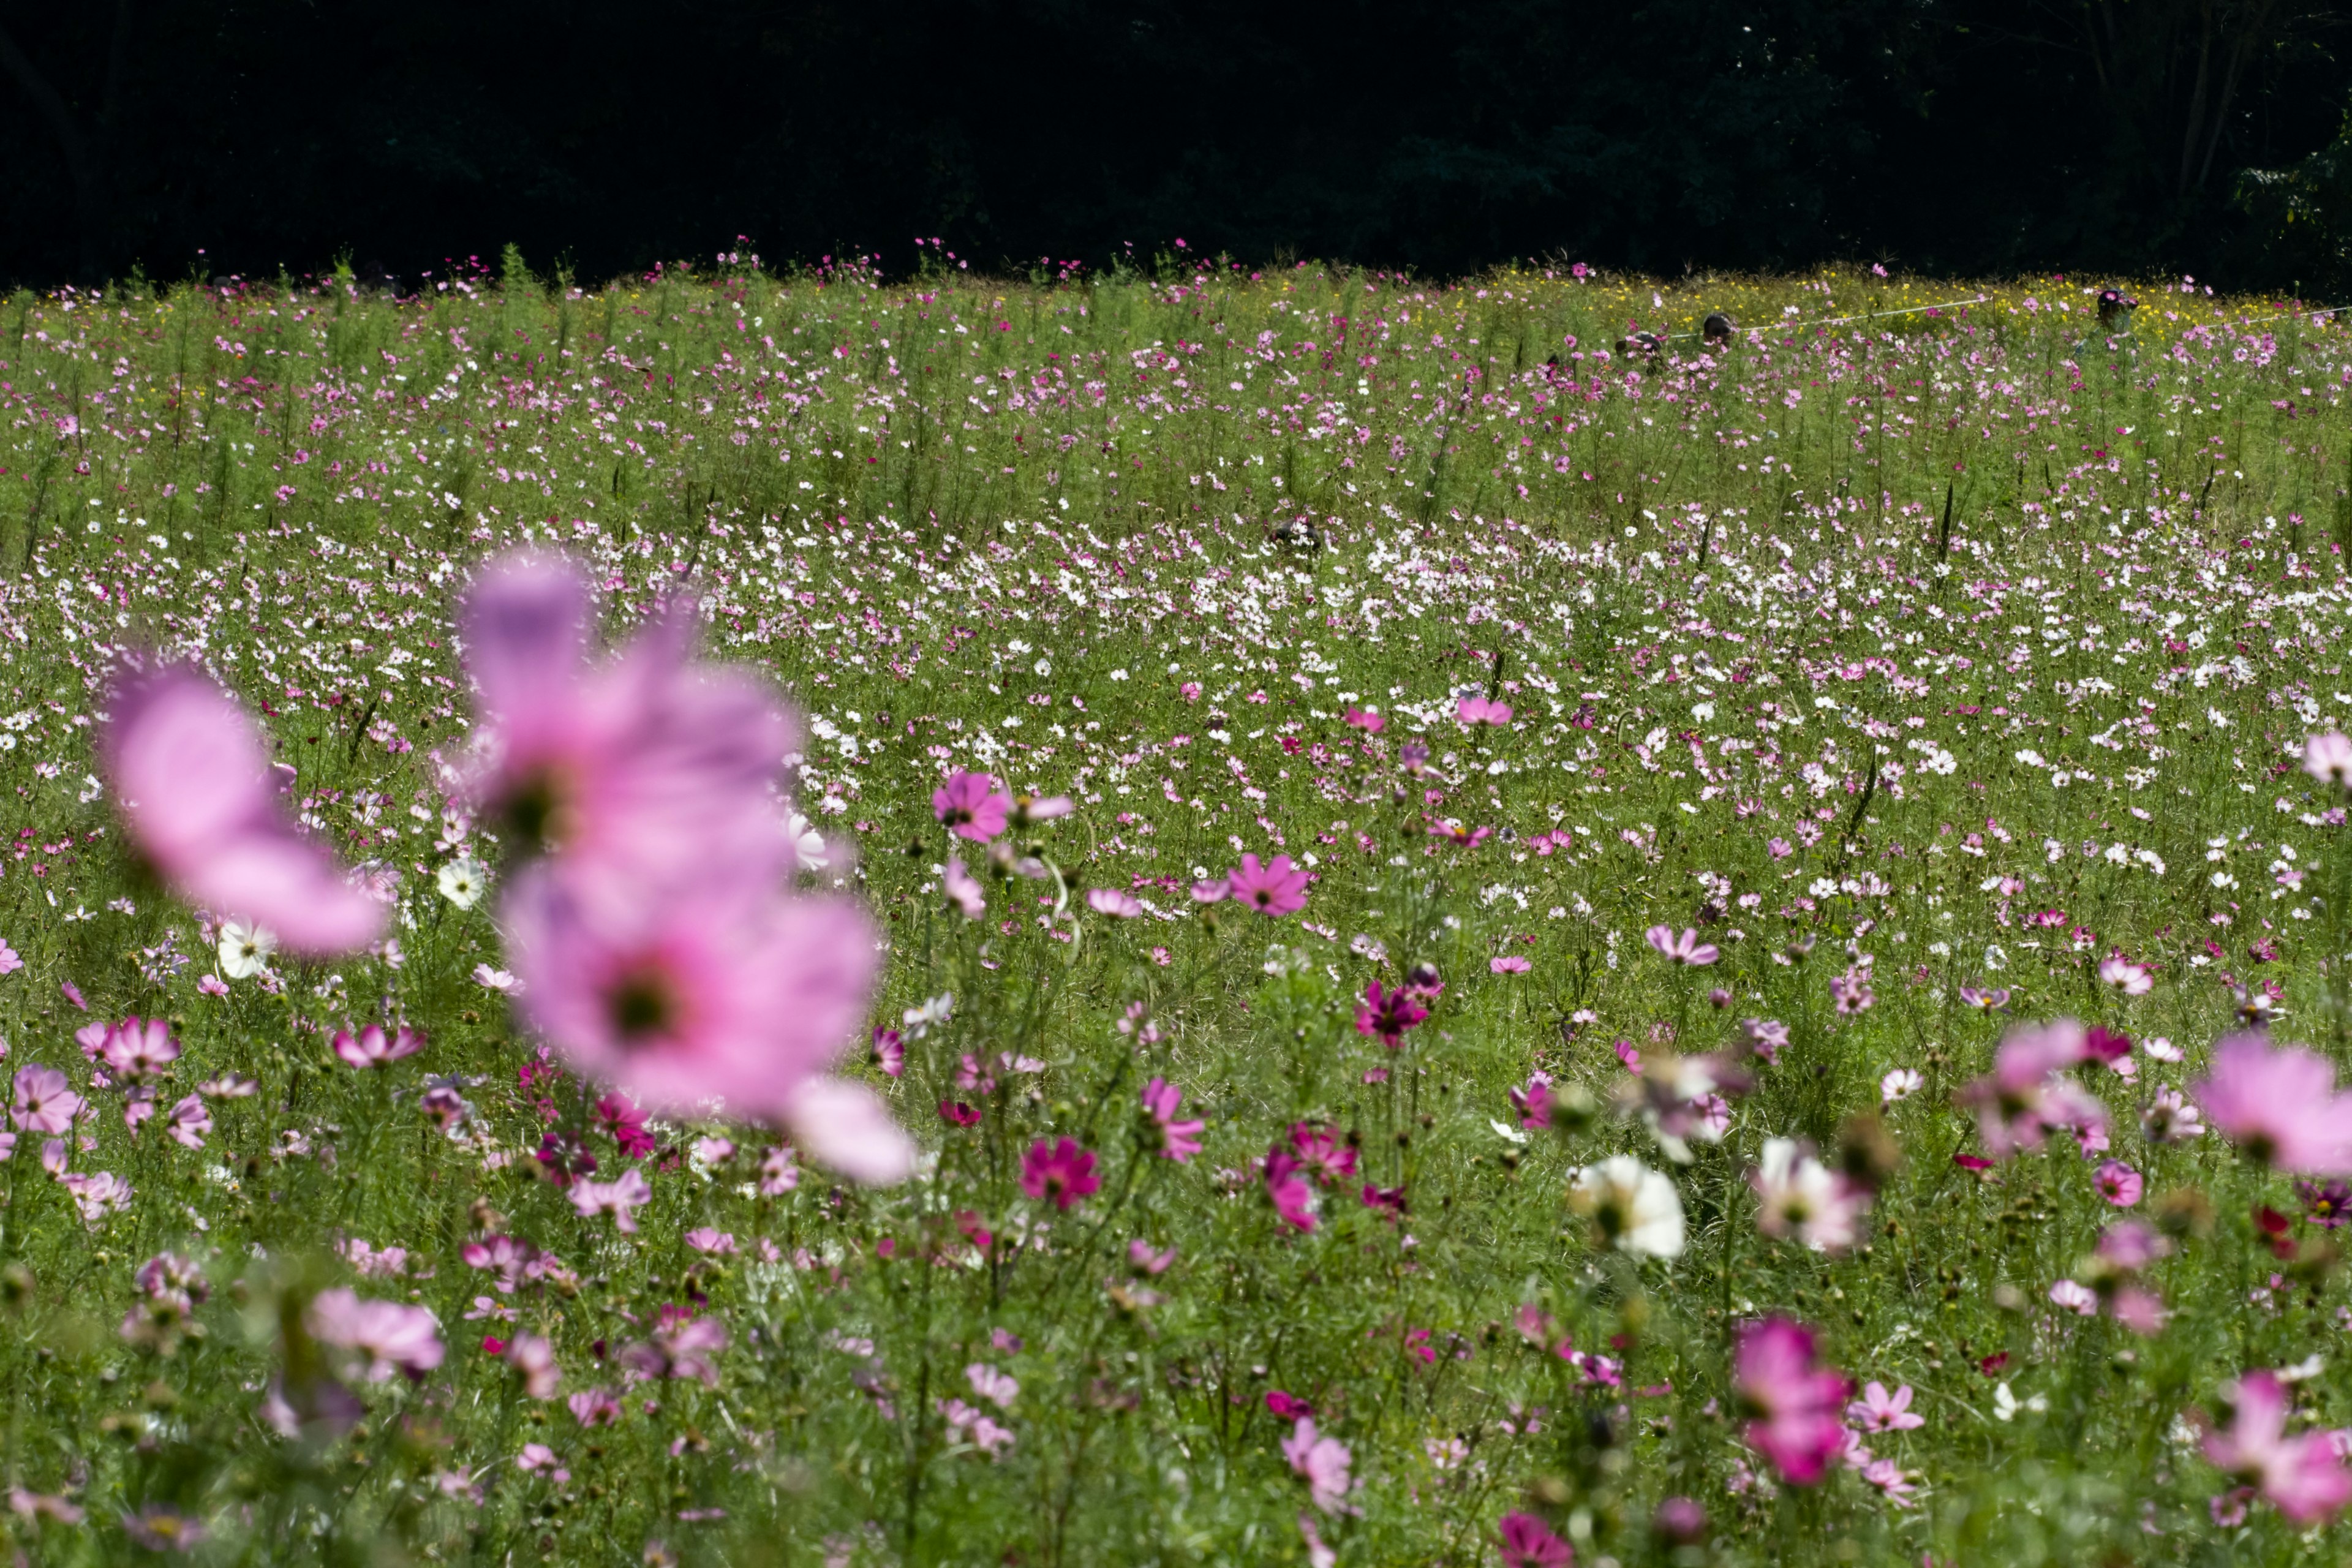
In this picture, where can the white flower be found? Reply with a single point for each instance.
(808, 844)
(1900, 1084)
(1797, 1196)
(462, 881)
(1637, 1208)
(496, 980)
(245, 950)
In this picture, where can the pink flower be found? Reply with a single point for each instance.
(2279, 1106)
(394, 1337)
(2075, 1298)
(1510, 964)
(2328, 758)
(1795, 1400)
(1364, 719)
(1529, 1543)
(1293, 1198)
(1482, 710)
(737, 995)
(372, 1048)
(681, 1348)
(1062, 1175)
(2301, 1476)
(1273, 889)
(2131, 979)
(620, 1198)
(630, 772)
(138, 1049)
(189, 1121)
(1878, 1411)
(1178, 1140)
(10, 961)
(2118, 1183)
(43, 1102)
(594, 1407)
(1323, 1461)
(193, 784)
(971, 807)
(2025, 1097)
(1534, 1103)
(1685, 948)
(1113, 901)
(1388, 1014)
(533, 1360)
(962, 890)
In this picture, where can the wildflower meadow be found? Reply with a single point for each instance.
(1179, 916)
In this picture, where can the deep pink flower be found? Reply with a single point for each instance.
(971, 807)
(44, 1103)
(1178, 1140)
(634, 773)
(1322, 1156)
(1388, 1014)
(1479, 710)
(681, 1347)
(1878, 1411)
(192, 781)
(1533, 1103)
(2279, 1105)
(1293, 1198)
(1064, 1174)
(1796, 1402)
(1273, 888)
(2118, 1183)
(1528, 1542)
(138, 1049)
(2301, 1476)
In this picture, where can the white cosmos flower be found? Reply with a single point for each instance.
(1900, 1084)
(808, 844)
(1637, 1208)
(1797, 1196)
(462, 882)
(245, 949)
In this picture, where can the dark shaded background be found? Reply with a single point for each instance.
(1964, 136)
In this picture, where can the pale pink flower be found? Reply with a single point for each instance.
(848, 1126)
(2280, 1105)
(394, 1337)
(621, 1198)
(43, 1103)
(194, 784)
(372, 1048)
(1113, 901)
(2075, 1298)
(681, 1348)
(2131, 979)
(594, 1407)
(2327, 757)
(1798, 1196)
(634, 773)
(1795, 1400)
(533, 1360)
(2302, 1476)
(1684, 947)
(1878, 1411)
(1508, 964)
(2172, 1117)
(1323, 1461)
(997, 1387)
(971, 807)
(2026, 1097)
(1276, 888)
(189, 1121)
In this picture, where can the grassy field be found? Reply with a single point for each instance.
(1719, 746)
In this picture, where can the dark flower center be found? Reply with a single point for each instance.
(644, 1005)
(537, 811)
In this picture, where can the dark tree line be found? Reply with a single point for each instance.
(1963, 136)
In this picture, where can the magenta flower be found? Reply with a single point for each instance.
(1273, 888)
(1388, 1014)
(43, 1103)
(1528, 1542)
(971, 807)
(1293, 1198)
(394, 1337)
(193, 784)
(1324, 1463)
(138, 1049)
(1510, 964)
(2118, 1183)
(633, 773)
(372, 1048)
(2279, 1106)
(1795, 1402)
(1878, 1411)
(1533, 1103)
(2302, 1476)
(1683, 948)
(1062, 1175)
(1178, 1140)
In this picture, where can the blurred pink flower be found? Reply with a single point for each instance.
(1794, 1401)
(1510, 964)
(2302, 1476)
(971, 807)
(2118, 1183)
(621, 1198)
(1293, 1198)
(2026, 1097)
(681, 1347)
(1062, 1174)
(394, 1337)
(372, 1048)
(1178, 1140)
(1528, 1542)
(1482, 710)
(1388, 1014)
(1273, 888)
(2328, 758)
(1113, 901)
(1683, 948)
(1323, 1461)
(192, 781)
(1878, 1411)
(2280, 1106)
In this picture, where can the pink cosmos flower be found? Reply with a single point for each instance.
(1062, 1174)
(372, 1048)
(1482, 710)
(631, 772)
(138, 1049)
(2118, 1183)
(2302, 1476)
(1685, 948)
(533, 1360)
(1323, 1461)
(193, 784)
(2328, 758)
(9, 960)
(1528, 1542)
(1178, 1140)
(43, 1103)
(594, 1407)
(1798, 1196)
(971, 807)
(1533, 1102)
(681, 1347)
(2075, 1297)
(1211, 892)
(1293, 1198)
(2172, 1117)
(621, 1198)
(1878, 1411)
(1273, 888)
(1364, 719)
(189, 1121)
(962, 890)
(2279, 1106)
(2131, 979)
(394, 1337)
(1795, 1400)
(1388, 1014)
(2026, 1096)
(1113, 901)
(1510, 964)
